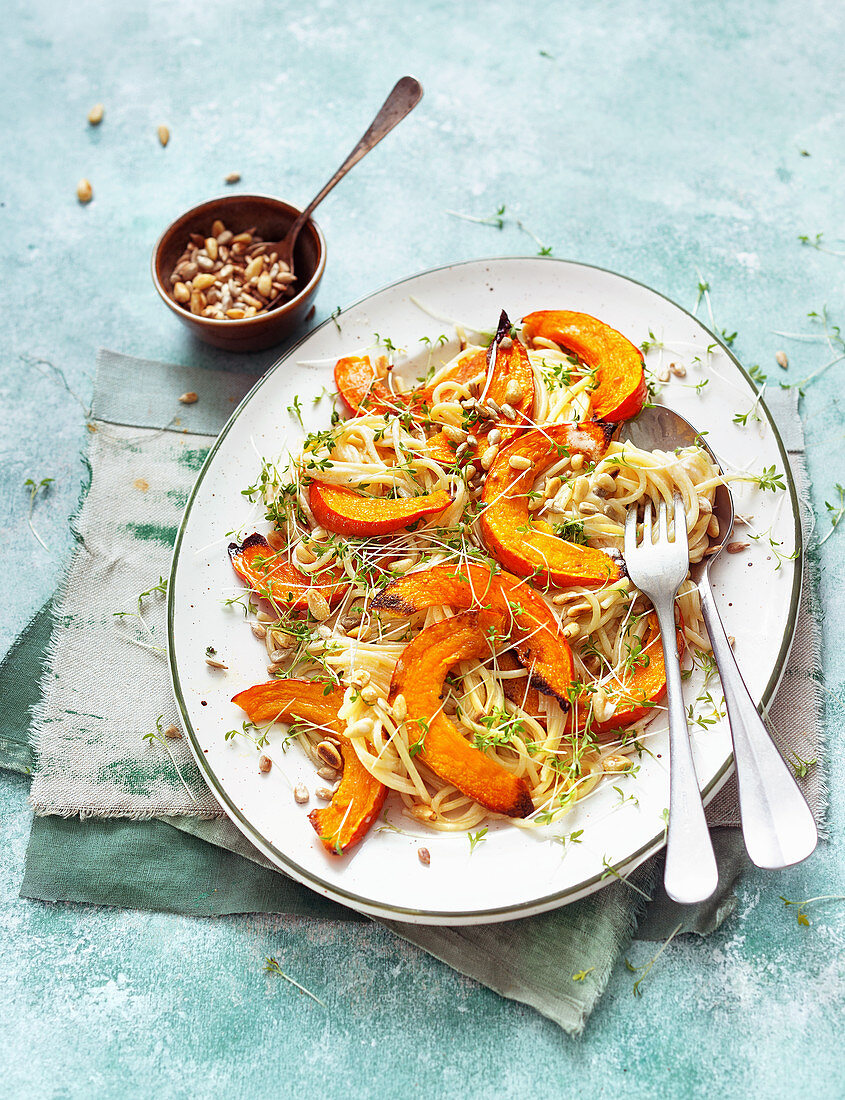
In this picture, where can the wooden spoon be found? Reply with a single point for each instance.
(405, 96)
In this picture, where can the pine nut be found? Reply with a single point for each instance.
(587, 509)
(362, 728)
(577, 462)
(616, 762)
(571, 631)
(513, 393)
(713, 528)
(181, 293)
(737, 547)
(324, 793)
(780, 356)
(329, 774)
(494, 436)
(519, 462)
(663, 374)
(399, 708)
(254, 267)
(704, 506)
(233, 177)
(189, 398)
(370, 694)
(95, 115)
(678, 369)
(318, 605)
(509, 411)
(360, 678)
(330, 755)
(203, 262)
(552, 487)
(258, 630)
(424, 856)
(211, 247)
(212, 662)
(84, 191)
(163, 135)
(203, 282)
(264, 764)
(457, 435)
(489, 457)
(300, 794)
(265, 285)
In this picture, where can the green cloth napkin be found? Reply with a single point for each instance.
(152, 864)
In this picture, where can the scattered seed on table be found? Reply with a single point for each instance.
(163, 135)
(84, 191)
(95, 115)
(173, 733)
(233, 177)
(189, 398)
(781, 359)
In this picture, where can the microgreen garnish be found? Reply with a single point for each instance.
(816, 241)
(800, 906)
(611, 872)
(158, 736)
(35, 488)
(769, 479)
(334, 317)
(643, 970)
(272, 967)
(295, 410)
(580, 975)
(476, 838)
(835, 512)
(801, 766)
(496, 220)
(831, 335)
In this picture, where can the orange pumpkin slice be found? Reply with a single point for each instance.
(419, 676)
(358, 800)
(533, 628)
(362, 385)
(346, 513)
(271, 576)
(641, 690)
(528, 547)
(620, 391)
(510, 365)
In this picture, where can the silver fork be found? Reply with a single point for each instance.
(658, 569)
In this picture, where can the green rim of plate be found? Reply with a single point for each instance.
(549, 901)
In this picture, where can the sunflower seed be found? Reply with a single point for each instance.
(264, 764)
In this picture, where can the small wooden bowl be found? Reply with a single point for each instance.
(272, 218)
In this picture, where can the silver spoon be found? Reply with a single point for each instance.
(777, 825)
(406, 94)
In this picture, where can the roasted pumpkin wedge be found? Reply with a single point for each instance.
(346, 513)
(271, 576)
(642, 689)
(532, 627)
(362, 386)
(510, 375)
(364, 389)
(358, 800)
(620, 391)
(531, 548)
(419, 676)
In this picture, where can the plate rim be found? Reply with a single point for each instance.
(519, 909)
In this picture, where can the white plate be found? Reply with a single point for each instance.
(513, 872)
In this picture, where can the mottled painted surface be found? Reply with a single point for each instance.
(660, 140)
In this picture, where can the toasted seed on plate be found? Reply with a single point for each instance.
(212, 662)
(300, 794)
(324, 793)
(678, 369)
(424, 856)
(737, 547)
(264, 764)
(330, 755)
(513, 393)
(519, 462)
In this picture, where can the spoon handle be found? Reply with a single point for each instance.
(777, 824)
(406, 94)
(691, 874)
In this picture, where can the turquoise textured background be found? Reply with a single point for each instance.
(663, 141)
